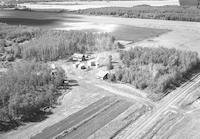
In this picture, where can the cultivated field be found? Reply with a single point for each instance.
(86, 121)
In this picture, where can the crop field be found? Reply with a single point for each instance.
(85, 122)
(115, 127)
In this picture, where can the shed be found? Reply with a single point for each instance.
(82, 66)
(92, 63)
(102, 75)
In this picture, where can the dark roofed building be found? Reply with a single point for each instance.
(189, 2)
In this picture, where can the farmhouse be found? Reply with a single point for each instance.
(80, 57)
(77, 57)
(102, 75)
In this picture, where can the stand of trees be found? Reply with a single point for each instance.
(61, 44)
(155, 69)
(148, 12)
(25, 89)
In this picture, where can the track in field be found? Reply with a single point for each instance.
(85, 122)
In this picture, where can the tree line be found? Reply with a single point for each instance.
(148, 12)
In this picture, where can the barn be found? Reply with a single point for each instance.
(189, 2)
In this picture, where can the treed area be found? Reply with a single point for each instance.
(155, 69)
(53, 45)
(148, 12)
(25, 89)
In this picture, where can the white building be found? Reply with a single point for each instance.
(102, 75)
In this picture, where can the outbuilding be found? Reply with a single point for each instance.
(102, 75)
(91, 63)
(82, 66)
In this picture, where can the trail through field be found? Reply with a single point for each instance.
(124, 94)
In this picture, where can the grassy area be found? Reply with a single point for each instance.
(17, 34)
(148, 12)
(135, 34)
(188, 127)
(10, 39)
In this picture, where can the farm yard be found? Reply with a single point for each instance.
(104, 109)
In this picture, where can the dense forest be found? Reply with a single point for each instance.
(148, 12)
(25, 89)
(155, 69)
